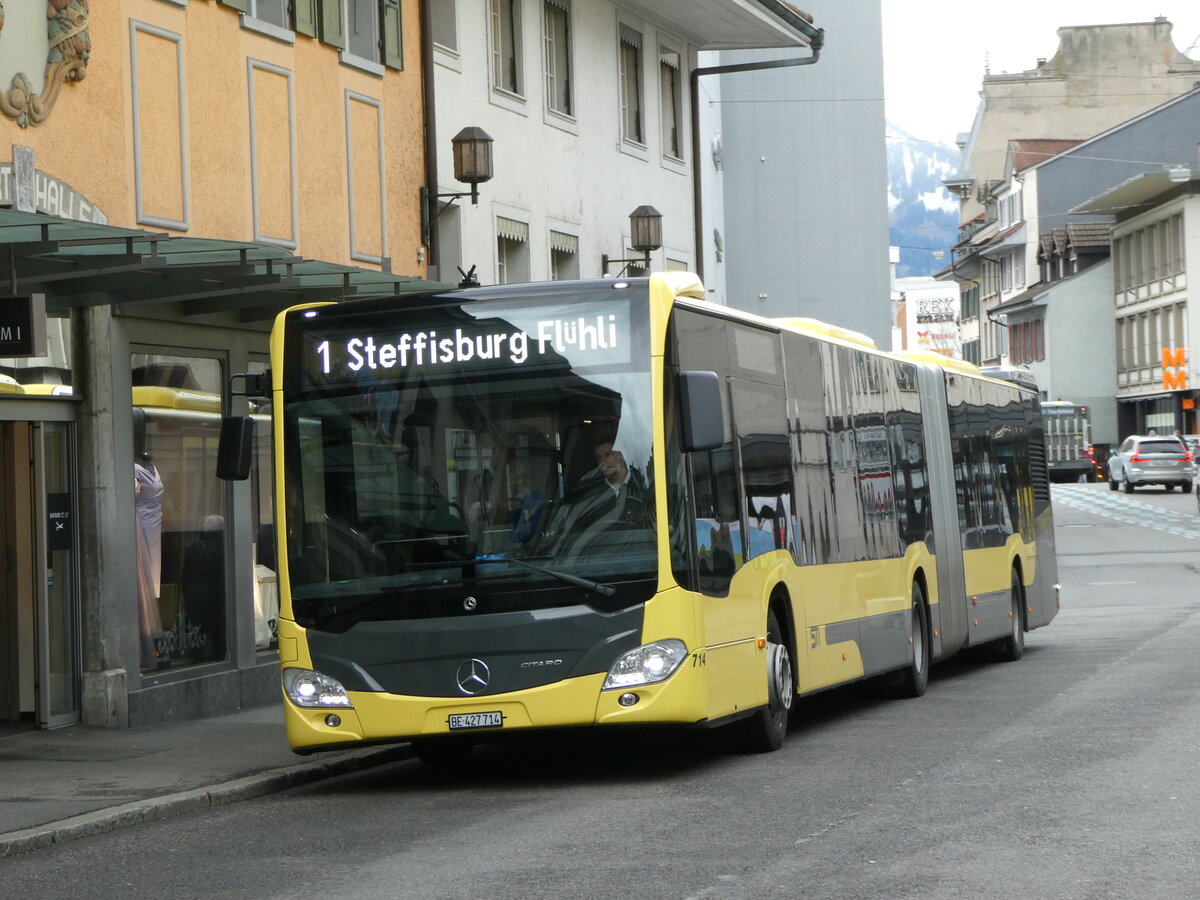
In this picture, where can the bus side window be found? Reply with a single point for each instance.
(718, 525)
(761, 425)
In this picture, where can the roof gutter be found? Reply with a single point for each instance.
(791, 17)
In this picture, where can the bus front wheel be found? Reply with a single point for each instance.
(765, 729)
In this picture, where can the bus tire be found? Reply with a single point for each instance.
(913, 680)
(1012, 647)
(765, 729)
(443, 751)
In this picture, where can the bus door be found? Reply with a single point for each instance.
(948, 619)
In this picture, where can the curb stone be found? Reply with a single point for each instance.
(138, 811)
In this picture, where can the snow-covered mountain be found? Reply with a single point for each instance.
(922, 214)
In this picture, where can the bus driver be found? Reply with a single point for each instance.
(610, 502)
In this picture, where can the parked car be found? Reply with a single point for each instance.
(1151, 459)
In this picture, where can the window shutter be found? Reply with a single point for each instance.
(393, 34)
(563, 242)
(239, 5)
(331, 23)
(511, 229)
(304, 17)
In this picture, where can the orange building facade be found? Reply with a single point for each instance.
(172, 174)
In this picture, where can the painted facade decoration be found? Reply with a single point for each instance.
(68, 48)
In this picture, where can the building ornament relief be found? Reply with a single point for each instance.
(66, 60)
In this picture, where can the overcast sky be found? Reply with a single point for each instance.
(935, 51)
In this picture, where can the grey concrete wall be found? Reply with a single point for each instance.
(1080, 364)
(805, 178)
(1167, 137)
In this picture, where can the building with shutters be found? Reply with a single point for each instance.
(172, 174)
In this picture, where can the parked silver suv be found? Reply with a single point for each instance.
(1149, 459)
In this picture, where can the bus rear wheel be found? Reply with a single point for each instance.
(765, 729)
(1012, 647)
(912, 681)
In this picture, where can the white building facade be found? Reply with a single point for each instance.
(587, 103)
(1156, 247)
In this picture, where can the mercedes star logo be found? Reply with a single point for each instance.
(473, 676)
(470, 603)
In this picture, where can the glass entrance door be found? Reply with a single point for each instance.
(58, 619)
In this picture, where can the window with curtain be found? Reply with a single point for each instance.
(362, 29)
(630, 47)
(556, 39)
(274, 12)
(505, 19)
(670, 102)
(512, 251)
(564, 256)
(445, 23)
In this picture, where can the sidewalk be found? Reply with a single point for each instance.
(62, 784)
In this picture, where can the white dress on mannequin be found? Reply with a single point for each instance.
(147, 504)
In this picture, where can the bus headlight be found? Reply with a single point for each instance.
(648, 664)
(312, 690)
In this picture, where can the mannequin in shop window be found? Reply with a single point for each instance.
(147, 505)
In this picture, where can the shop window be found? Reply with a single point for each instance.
(45, 376)
(179, 511)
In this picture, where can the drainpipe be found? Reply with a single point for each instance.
(816, 37)
(428, 192)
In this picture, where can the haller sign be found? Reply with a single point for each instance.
(27, 189)
(23, 326)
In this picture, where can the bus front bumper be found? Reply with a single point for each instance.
(375, 718)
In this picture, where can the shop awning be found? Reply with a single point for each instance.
(77, 264)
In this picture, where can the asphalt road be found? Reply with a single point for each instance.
(1069, 774)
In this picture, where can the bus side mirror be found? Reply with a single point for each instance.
(233, 452)
(700, 411)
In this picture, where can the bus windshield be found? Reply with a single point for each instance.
(491, 452)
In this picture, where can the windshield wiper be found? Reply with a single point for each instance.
(604, 590)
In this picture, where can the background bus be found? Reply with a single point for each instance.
(793, 510)
(1070, 454)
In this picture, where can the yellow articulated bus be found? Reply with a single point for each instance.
(613, 503)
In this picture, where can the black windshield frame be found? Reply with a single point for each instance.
(405, 486)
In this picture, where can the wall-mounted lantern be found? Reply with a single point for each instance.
(645, 229)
